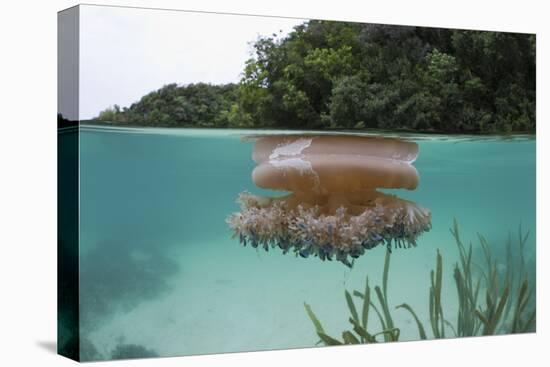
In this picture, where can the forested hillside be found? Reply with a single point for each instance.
(339, 75)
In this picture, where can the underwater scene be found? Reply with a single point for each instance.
(197, 241)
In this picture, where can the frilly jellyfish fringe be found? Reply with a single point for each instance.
(507, 308)
(312, 230)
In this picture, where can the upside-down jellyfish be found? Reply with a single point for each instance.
(333, 209)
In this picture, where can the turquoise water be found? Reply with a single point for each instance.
(160, 270)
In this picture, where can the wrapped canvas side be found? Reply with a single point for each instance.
(68, 340)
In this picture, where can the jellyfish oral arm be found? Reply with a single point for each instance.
(329, 226)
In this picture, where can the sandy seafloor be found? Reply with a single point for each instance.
(159, 267)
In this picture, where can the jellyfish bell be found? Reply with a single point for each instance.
(275, 146)
(334, 174)
(333, 209)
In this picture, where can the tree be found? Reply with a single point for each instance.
(328, 74)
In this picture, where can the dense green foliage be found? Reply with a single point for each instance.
(194, 105)
(327, 75)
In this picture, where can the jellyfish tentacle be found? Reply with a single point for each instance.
(329, 234)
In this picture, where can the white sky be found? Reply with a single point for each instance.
(126, 53)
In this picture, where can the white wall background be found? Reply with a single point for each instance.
(28, 182)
